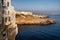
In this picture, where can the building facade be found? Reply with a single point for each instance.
(8, 26)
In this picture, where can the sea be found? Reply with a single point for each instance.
(38, 32)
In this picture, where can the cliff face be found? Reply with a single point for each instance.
(33, 19)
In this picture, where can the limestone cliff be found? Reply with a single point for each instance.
(33, 19)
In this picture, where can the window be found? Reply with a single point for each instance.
(6, 19)
(7, 3)
(2, 2)
(9, 19)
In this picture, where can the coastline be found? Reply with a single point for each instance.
(31, 20)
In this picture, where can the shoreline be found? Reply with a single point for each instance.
(34, 20)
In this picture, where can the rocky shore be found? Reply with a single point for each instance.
(34, 19)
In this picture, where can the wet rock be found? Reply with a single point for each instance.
(52, 21)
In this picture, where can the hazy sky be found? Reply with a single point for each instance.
(36, 4)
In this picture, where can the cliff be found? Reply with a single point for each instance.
(33, 19)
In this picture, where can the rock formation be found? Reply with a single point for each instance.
(33, 19)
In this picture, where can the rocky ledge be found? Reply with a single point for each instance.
(30, 19)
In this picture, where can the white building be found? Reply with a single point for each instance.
(8, 27)
(25, 13)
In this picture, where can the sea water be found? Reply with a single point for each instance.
(38, 32)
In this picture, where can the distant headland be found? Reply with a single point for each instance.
(29, 18)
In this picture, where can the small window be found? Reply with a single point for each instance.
(2, 2)
(6, 19)
(7, 3)
(9, 19)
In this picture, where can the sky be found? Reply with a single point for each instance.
(36, 4)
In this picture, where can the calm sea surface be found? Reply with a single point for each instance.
(37, 32)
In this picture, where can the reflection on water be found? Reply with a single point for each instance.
(37, 32)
